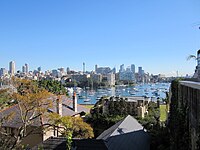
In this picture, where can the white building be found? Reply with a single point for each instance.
(12, 68)
(110, 79)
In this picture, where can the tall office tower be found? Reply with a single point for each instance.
(23, 69)
(122, 68)
(12, 68)
(39, 69)
(26, 68)
(114, 70)
(3, 72)
(96, 67)
(140, 71)
(83, 67)
(133, 68)
(68, 70)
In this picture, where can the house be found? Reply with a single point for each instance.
(62, 106)
(125, 135)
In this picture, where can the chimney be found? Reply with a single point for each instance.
(59, 105)
(74, 102)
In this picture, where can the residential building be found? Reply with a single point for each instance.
(62, 106)
(80, 77)
(124, 135)
(110, 79)
(96, 77)
(127, 75)
(103, 70)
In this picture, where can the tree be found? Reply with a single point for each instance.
(31, 102)
(192, 57)
(70, 127)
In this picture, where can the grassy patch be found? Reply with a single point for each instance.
(88, 106)
(163, 115)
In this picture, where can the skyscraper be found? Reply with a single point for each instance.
(26, 68)
(122, 68)
(12, 68)
(140, 71)
(133, 68)
(39, 69)
(23, 69)
(3, 72)
(96, 67)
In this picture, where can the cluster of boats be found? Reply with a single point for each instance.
(148, 90)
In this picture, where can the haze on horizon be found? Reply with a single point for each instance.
(155, 35)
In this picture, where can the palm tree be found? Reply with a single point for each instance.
(192, 57)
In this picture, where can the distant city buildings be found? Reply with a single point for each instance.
(102, 70)
(101, 76)
(128, 74)
(3, 72)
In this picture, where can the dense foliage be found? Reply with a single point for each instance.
(52, 86)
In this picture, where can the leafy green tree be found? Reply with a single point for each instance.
(32, 102)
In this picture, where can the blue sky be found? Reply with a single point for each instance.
(157, 35)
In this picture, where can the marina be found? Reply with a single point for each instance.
(153, 91)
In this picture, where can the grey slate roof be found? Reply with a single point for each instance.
(125, 135)
(67, 106)
(129, 124)
(16, 121)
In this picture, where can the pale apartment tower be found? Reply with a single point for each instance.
(12, 68)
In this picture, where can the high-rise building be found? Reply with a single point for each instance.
(39, 69)
(3, 72)
(140, 71)
(12, 68)
(23, 69)
(83, 67)
(26, 68)
(122, 68)
(96, 67)
(68, 70)
(133, 68)
(114, 70)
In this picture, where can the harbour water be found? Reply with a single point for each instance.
(154, 91)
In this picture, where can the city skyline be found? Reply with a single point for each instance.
(122, 68)
(65, 34)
